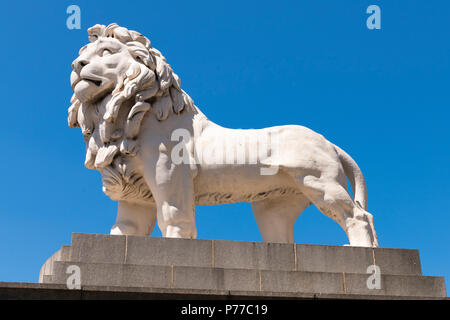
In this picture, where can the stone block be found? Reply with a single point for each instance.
(414, 286)
(398, 261)
(98, 248)
(306, 282)
(254, 255)
(105, 274)
(167, 252)
(357, 284)
(318, 258)
(216, 279)
(146, 276)
(66, 253)
(397, 285)
(101, 274)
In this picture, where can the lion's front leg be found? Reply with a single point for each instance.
(134, 219)
(176, 219)
(175, 207)
(172, 187)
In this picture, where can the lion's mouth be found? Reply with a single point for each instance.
(98, 83)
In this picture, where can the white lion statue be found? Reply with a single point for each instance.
(159, 155)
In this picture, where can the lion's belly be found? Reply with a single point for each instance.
(231, 184)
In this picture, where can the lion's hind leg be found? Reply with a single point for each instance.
(333, 200)
(276, 216)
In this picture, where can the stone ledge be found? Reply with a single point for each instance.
(207, 278)
(39, 291)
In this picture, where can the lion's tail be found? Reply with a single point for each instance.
(355, 176)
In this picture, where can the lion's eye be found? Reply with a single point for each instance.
(105, 52)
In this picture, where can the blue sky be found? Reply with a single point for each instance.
(381, 95)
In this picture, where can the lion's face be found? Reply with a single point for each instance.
(99, 68)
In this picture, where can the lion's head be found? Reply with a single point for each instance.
(100, 68)
(117, 79)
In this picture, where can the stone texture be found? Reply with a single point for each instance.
(66, 253)
(254, 255)
(121, 275)
(216, 279)
(396, 285)
(98, 248)
(333, 258)
(415, 286)
(357, 284)
(146, 276)
(398, 261)
(100, 274)
(323, 282)
(167, 252)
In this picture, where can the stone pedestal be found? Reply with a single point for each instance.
(252, 269)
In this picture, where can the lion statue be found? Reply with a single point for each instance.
(159, 155)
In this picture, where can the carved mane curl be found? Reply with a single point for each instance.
(111, 140)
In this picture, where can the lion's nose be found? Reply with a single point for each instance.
(78, 64)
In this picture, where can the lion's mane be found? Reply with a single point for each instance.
(110, 130)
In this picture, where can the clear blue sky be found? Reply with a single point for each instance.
(382, 95)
